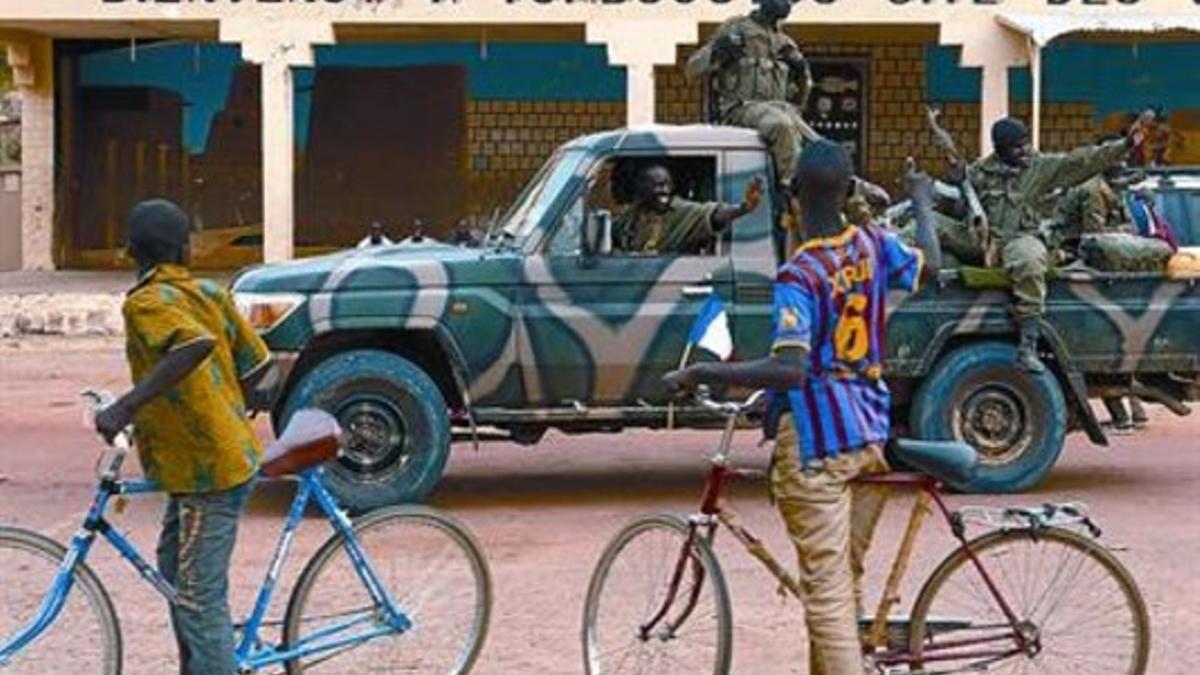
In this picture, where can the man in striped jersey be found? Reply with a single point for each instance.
(830, 406)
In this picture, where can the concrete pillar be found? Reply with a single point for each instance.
(639, 96)
(278, 162)
(1035, 98)
(33, 73)
(287, 45)
(993, 102)
(639, 46)
(994, 52)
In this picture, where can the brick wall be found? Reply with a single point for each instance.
(508, 140)
(895, 101)
(896, 125)
(1064, 125)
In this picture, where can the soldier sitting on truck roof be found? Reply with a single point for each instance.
(756, 73)
(659, 221)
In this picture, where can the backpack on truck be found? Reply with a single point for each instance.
(1121, 252)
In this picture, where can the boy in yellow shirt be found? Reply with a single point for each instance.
(193, 360)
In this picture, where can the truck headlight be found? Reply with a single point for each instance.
(265, 311)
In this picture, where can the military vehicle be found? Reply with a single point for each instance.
(1176, 194)
(547, 327)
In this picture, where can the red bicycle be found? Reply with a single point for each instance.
(1034, 593)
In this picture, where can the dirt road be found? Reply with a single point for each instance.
(543, 515)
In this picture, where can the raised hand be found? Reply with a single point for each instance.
(1141, 128)
(752, 196)
(917, 183)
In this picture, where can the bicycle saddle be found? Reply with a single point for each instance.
(312, 437)
(950, 462)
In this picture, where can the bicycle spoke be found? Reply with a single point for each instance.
(433, 573)
(1070, 600)
(632, 586)
(83, 638)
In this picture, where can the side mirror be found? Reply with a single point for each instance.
(596, 234)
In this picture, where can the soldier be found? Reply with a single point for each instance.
(1096, 205)
(661, 222)
(758, 71)
(1012, 183)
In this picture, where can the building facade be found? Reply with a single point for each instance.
(288, 127)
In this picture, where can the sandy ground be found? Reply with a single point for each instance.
(543, 515)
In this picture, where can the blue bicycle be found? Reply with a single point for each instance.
(402, 589)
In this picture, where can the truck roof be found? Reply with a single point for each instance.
(656, 137)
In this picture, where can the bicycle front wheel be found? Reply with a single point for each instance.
(1078, 605)
(436, 575)
(84, 637)
(636, 621)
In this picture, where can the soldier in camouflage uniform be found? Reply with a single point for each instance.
(1012, 184)
(1097, 208)
(759, 71)
(661, 222)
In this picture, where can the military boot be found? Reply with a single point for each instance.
(1027, 350)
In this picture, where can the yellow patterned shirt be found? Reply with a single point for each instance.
(194, 437)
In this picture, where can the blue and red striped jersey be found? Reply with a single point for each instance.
(830, 299)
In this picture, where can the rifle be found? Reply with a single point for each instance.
(978, 218)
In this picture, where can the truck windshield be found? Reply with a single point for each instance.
(529, 208)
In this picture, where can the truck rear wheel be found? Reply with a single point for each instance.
(396, 423)
(1015, 419)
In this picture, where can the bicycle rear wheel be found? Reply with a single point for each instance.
(84, 637)
(629, 588)
(434, 571)
(1079, 603)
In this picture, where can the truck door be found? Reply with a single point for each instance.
(754, 254)
(603, 331)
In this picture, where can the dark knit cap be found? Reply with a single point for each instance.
(1009, 132)
(158, 230)
(824, 165)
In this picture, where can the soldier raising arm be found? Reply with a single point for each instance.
(659, 221)
(1012, 184)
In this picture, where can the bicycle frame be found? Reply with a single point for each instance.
(251, 652)
(1003, 642)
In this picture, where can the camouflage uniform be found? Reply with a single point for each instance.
(683, 228)
(1011, 198)
(755, 90)
(1098, 219)
(1091, 208)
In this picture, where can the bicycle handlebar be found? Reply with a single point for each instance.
(108, 467)
(727, 408)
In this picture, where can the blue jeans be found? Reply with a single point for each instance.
(194, 550)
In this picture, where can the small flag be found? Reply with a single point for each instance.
(711, 330)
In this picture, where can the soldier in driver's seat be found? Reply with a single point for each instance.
(660, 222)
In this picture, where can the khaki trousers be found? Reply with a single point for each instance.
(780, 125)
(1026, 260)
(831, 523)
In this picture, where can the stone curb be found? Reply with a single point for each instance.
(66, 314)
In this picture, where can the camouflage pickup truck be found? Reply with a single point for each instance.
(546, 327)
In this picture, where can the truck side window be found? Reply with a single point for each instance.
(639, 229)
(644, 227)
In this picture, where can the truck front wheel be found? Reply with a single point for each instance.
(1015, 419)
(396, 424)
